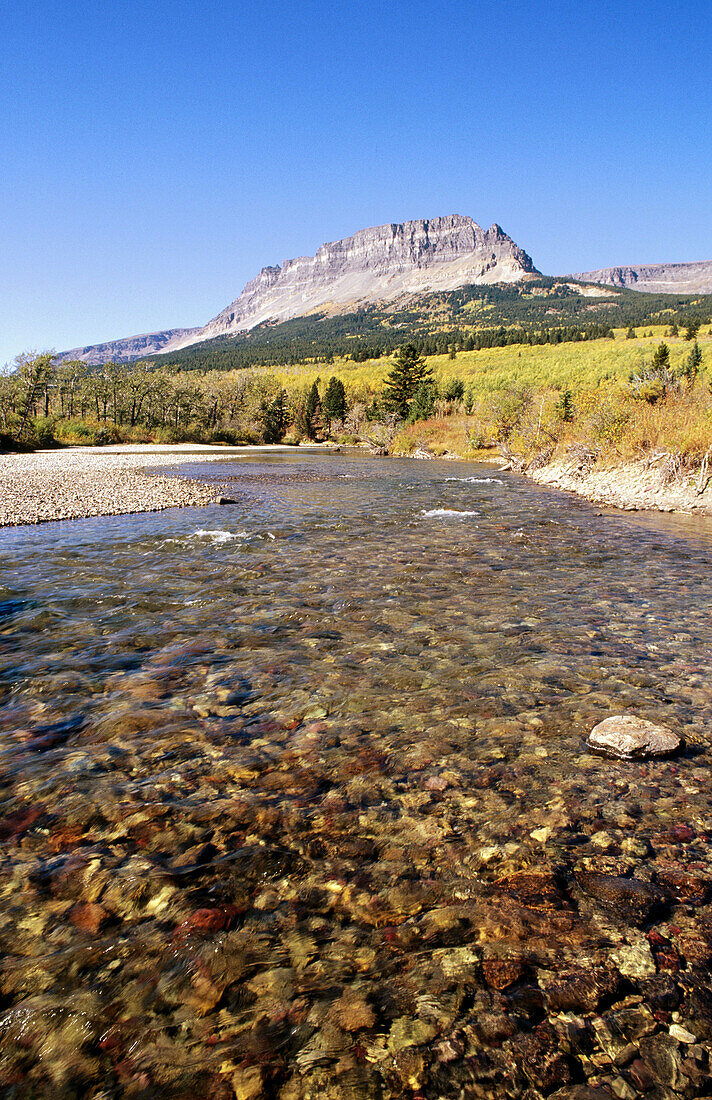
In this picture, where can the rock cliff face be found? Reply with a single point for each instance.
(374, 265)
(127, 349)
(692, 278)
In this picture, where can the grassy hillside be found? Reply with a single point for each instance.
(573, 366)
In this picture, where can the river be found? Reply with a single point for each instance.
(296, 800)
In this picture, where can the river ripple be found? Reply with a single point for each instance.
(296, 799)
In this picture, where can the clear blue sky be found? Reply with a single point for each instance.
(155, 154)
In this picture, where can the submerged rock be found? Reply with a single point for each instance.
(626, 736)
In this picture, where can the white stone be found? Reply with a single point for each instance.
(626, 736)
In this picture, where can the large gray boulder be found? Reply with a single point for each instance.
(629, 737)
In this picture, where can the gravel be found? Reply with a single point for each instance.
(74, 484)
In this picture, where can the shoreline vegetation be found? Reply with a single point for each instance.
(624, 420)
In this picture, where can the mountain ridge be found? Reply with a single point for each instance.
(390, 263)
(671, 278)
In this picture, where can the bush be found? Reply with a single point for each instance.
(508, 409)
(42, 431)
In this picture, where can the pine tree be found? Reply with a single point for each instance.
(565, 406)
(334, 403)
(312, 412)
(630, 334)
(402, 381)
(693, 327)
(693, 362)
(661, 359)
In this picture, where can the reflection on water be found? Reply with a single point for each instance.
(296, 800)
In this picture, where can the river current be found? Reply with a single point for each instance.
(296, 800)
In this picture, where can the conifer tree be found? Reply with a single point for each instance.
(334, 403)
(312, 412)
(693, 362)
(402, 381)
(661, 359)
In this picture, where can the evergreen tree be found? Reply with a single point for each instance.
(661, 359)
(693, 327)
(692, 364)
(423, 404)
(334, 403)
(565, 406)
(312, 412)
(674, 330)
(403, 380)
(630, 334)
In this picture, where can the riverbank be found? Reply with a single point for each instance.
(118, 480)
(651, 484)
(56, 485)
(43, 486)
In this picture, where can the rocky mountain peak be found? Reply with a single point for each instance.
(382, 263)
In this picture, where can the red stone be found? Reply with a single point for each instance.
(88, 916)
(219, 919)
(14, 825)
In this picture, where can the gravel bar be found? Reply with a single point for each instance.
(75, 484)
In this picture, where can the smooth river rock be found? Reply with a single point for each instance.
(626, 736)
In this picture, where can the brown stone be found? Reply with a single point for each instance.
(352, 1012)
(634, 898)
(581, 990)
(88, 916)
(685, 888)
(502, 971)
(534, 889)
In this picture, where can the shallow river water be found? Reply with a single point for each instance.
(296, 800)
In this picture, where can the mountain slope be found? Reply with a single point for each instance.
(686, 278)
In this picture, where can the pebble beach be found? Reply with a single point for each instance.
(76, 484)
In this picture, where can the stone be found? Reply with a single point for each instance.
(631, 897)
(682, 1034)
(583, 989)
(536, 889)
(542, 1061)
(407, 1032)
(501, 971)
(628, 737)
(88, 916)
(353, 1012)
(247, 1083)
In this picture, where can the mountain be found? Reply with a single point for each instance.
(692, 278)
(381, 264)
(375, 265)
(127, 349)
